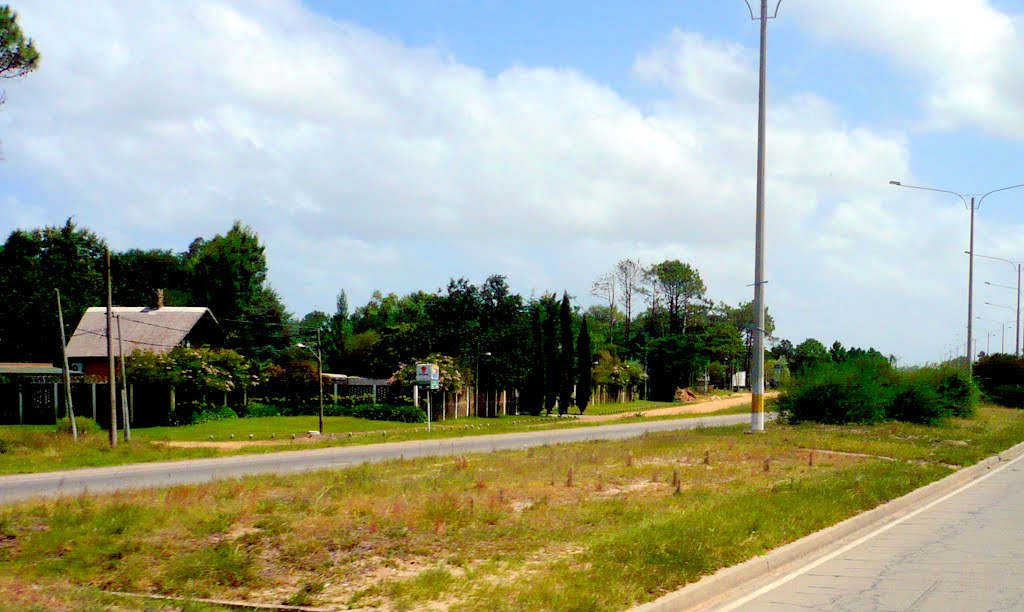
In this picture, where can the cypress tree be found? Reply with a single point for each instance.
(566, 356)
(533, 399)
(552, 371)
(584, 367)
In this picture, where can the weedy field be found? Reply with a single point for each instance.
(592, 526)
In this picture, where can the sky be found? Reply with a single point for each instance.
(394, 145)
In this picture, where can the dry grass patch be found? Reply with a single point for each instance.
(600, 525)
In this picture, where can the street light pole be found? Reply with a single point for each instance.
(970, 267)
(1017, 267)
(319, 374)
(757, 367)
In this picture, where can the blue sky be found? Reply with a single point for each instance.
(393, 145)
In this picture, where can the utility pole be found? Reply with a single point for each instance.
(67, 373)
(111, 373)
(757, 366)
(320, 377)
(124, 384)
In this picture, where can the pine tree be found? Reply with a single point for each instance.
(566, 357)
(584, 367)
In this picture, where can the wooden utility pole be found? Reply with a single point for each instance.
(124, 384)
(67, 373)
(111, 373)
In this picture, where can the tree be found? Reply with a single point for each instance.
(782, 348)
(566, 356)
(584, 367)
(552, 366)
(228, 275)
(629, 275)
(837, 353)
(681, 286)
(32, 265)
(339, 330)
(18, 54)
(604, 288)
(807, 355)
(138, 274)
(533, 396)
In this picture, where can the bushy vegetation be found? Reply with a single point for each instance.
(1001, 378)
(867, 389)
(379, 412)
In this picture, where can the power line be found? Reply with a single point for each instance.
(104, 335)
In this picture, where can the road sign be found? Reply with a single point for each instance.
(427, 373)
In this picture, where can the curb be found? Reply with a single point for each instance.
(730, 582)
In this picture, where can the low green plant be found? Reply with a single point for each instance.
(260, 409)
(379, 412)
(85, 425)
(210, 412)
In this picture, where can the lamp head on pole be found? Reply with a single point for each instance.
(897, 183)
(301, 345)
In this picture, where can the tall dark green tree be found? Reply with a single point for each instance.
(228, 275)
(552, 366)
(681, 287)
(584, 367)
(566, 356)
(532, 396)
(137, 274)
(33, 264)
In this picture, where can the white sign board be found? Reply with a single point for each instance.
(427, 373)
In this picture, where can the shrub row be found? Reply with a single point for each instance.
(869, 390)
(1001, 378)
(379, 412)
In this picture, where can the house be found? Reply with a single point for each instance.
(155, 329)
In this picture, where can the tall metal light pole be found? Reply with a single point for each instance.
(1002, 325)
(970, 267)
(320, 374)
(757, 367)
(1017, 267)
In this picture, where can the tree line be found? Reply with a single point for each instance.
(655, 330)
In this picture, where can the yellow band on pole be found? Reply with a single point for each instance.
(757, 403)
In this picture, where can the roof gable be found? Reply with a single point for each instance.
(143, 329)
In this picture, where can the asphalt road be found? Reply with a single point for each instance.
(192, 471)
(960, 552)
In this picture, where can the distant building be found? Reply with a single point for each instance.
(153, 329)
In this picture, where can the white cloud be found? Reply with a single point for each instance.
(966, 53)
(367, 164)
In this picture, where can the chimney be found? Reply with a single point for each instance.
(158, 301)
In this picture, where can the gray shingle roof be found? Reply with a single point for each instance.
(156, 330)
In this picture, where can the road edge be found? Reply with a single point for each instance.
(731, 582)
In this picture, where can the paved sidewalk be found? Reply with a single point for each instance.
(961, 552)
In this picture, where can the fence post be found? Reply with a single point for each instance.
(21, 406)
(93, 385)
(56, 404)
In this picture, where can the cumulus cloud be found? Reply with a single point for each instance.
(965, 53)
(369, 164)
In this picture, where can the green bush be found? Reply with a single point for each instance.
(210, 412)
(917, 400)
(958, 390)
(1011, 396)
(259, 409)
(84, 424)
(859, 390)
(380, 412)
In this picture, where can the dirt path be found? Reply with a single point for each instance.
(709, 405)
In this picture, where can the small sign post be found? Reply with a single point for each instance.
(428, 375)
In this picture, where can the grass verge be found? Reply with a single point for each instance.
(591, 526)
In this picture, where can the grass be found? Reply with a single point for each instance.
(37, 448)
(590, 526)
